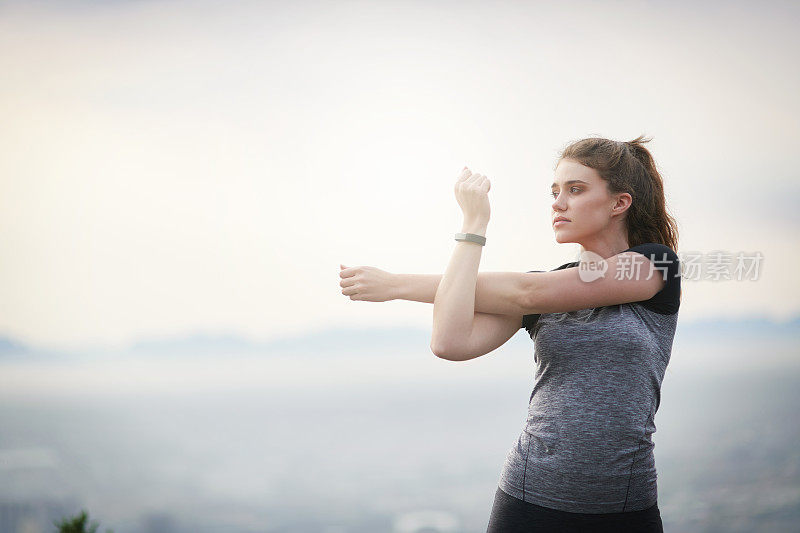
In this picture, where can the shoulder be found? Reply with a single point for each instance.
(662, 257)
(666, 263)
(655, 252)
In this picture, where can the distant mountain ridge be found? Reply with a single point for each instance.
(332, 340)
(360, 340)
(8, 346)
(741, 328)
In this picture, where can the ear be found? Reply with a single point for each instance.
(622, 201)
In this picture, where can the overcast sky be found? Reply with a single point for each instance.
(171, 167)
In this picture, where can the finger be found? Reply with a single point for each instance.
(464, 175)
(475, 179)
(350, 291)
(347, 282)
(347, 272)
(469, 180)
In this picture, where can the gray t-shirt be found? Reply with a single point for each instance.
(586, 446)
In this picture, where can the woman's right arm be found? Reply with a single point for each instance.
(415, 287)
(372, 284)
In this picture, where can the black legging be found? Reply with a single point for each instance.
(512, 515)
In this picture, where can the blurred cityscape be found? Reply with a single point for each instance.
(384, 438)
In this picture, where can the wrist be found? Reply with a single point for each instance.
(396, 287)
(477, 227)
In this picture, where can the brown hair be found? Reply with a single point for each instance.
(629, 167)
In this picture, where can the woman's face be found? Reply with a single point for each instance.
(581, 196)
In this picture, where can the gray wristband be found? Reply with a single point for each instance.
(471, 237)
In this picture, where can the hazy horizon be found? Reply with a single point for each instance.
(403, 442)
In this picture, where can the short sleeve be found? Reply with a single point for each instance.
(666, 264)
(528, 321)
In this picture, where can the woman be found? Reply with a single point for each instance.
(602, 329)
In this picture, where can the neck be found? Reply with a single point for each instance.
(605, 245)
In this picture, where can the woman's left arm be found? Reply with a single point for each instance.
(454, 303)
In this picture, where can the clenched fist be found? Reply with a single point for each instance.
(367, 283)
(472, 194)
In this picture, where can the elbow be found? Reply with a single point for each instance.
(442, 352)
(438, 350)
(439, 344)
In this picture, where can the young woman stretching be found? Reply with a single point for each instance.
(602, 329)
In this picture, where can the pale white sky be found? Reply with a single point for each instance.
(175, 167)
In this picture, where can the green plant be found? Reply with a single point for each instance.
(77, 524)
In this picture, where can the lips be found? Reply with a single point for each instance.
(561, 219)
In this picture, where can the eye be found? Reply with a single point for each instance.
(571, 189)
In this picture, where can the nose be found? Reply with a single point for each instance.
(559, 204)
